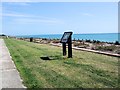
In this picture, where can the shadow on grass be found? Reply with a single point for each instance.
(56, 57)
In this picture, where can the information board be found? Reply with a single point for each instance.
(65, 37)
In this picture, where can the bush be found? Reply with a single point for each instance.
(56, 41)
(88, 41)
(2, 35)
(117, 43)
(96, 41)
(117, 51)
(76, 44)
(106, 48)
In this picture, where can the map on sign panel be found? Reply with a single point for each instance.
(65, 37)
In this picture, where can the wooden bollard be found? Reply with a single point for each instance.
(31, 39)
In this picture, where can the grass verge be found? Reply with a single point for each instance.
(84, 70)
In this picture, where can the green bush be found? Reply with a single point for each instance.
(106, 48)
(117, 43)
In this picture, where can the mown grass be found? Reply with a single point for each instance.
(84, 70)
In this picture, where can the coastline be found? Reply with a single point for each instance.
(103, 37)
(107, 48)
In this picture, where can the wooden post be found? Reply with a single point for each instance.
(64, 49)
(31, 39)
(69, 47)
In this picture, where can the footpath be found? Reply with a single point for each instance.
(9, 76)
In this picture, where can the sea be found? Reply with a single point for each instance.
(105, 37)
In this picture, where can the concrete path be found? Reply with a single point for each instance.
(9, 76)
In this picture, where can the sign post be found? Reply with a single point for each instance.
(31, 39)
(64, 48)
(69, 47)
(67, 38)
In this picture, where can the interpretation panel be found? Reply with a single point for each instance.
(65, 37)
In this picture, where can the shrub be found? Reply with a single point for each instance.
(106, 48)
(88, 41)
(76, 44)
(56, 41)
(117, 43)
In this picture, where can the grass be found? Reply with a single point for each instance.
(84, 70)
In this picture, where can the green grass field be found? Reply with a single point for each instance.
(84, 70)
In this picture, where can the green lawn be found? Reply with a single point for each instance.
(84, 70)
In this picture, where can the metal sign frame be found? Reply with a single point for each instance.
(67, 38)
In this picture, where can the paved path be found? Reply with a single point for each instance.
(9, 76)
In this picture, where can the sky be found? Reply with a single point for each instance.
(34, 18)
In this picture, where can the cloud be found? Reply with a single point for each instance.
(16, 0)
(87, 14)
(33, 21)
(14, 15)
(30, 19)
(19, 3)
(60, 0)
(0, 9)
(10, 14)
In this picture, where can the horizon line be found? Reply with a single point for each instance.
(60, 34)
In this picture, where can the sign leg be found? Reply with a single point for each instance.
(69, 48)
(64, 49)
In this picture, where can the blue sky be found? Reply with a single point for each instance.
(23, 18)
